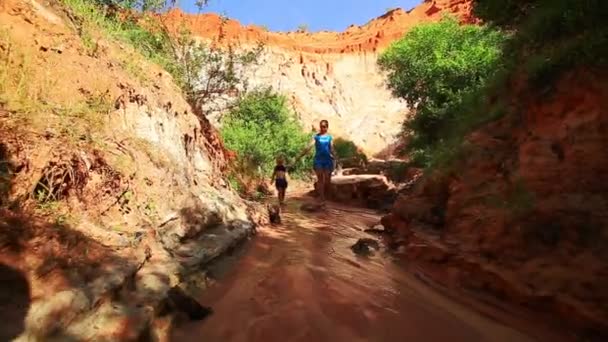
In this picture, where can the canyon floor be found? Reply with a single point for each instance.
(113, 193)
(300, 281)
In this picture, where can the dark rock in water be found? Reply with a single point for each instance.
(180, 301)
(311, 207)
(362, 247)
(377, 229)
(274, 213)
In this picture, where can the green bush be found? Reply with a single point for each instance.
(348, 153)
(146, 36)
(191, 63)
(438, 69)
(458, 76)
(146, 5)
(260, 128)
(552, 36)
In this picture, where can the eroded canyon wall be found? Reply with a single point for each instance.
(330, 75)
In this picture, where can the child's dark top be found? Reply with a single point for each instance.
(280, 181)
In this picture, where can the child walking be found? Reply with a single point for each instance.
(279, 178)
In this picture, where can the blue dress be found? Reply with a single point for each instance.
(323, 159)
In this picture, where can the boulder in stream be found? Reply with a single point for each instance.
(179, 301)
(274, 213)
(362, 247)
(372, 191)
(311, 207)
(377, 229)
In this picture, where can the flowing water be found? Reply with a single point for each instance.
(300, 281)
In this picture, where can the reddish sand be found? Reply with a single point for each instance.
(301, 282)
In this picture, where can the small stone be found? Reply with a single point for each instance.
(181, 302)
(377, 229)
(311, 207)
(138, 236)
(362, 247)
(274, 213)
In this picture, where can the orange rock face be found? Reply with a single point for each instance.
(376, 34)
(527, 209)
(330, 75)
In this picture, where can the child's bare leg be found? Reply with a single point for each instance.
(282, 196)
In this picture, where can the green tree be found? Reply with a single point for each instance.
(435, 67)
(207, 73)
(147, 5)
(348, 153)
(551, 36)
(261, 127)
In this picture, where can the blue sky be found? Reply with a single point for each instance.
(286, 15)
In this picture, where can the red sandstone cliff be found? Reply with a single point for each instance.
(524, 216)
(376, 34)
(330, 75)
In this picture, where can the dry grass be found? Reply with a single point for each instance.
(158, 157)
(133, 63)
(17, 77)
(27, 91)
(64, 102)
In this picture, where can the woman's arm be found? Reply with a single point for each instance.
(305, 151)
(332, 150)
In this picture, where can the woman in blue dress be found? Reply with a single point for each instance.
(324, 158)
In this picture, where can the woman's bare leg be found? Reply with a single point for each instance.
(320, 184)
(327, 183)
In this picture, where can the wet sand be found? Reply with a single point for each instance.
(300, 281)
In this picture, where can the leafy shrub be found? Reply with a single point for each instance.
(207, 73)
(143, 33)
(260, 128)
(438, 68)
(204, 72)
(348, 153)
(552, 36)
(146, 5)
(451, 77)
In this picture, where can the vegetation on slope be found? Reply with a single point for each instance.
(207, 75)
(205, 72)
(348, 153)
(260, 128)
(550, 36)
(456, 75)
(437, 68)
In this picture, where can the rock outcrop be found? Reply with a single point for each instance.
(370, 191)
(525, 214)
(111, 188)
(329, 75)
